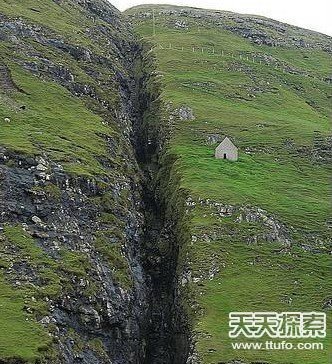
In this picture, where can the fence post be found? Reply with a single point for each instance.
(154, 23)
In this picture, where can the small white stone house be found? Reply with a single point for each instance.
(227, 150)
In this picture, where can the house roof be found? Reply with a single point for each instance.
(226, 143)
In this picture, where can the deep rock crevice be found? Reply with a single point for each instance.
(167, 335)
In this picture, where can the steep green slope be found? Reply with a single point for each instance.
(261, 228)
(69, 50)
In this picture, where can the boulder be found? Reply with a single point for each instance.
(186, 113)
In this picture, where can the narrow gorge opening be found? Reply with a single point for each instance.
(167, 334)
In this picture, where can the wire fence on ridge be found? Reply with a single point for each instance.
(257, 58)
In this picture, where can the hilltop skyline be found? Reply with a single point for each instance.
(311, 15)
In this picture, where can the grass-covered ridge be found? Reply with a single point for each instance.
(60, 60)
(274, 102)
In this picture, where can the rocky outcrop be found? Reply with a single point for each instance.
(267, 228)
(62, 215)
(185, 113)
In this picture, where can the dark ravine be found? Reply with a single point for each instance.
(167, 336)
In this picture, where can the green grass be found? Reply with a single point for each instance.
(17, 326)
(44, 279)
(66, 19)
(285, 116)
(39, 12)
(259, 106)
(54, 122)
(262, 108)
(261, 181)
(31, 254)
(64, 127)
(256, 279)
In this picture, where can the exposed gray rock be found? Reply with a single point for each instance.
(41, 167)
(185, 113)
(213, 139)
(90, 317)
(181, 24)
(36, 220)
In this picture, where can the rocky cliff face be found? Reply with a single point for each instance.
(85, 239)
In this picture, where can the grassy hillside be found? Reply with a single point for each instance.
(261, 229)
(62, 51)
